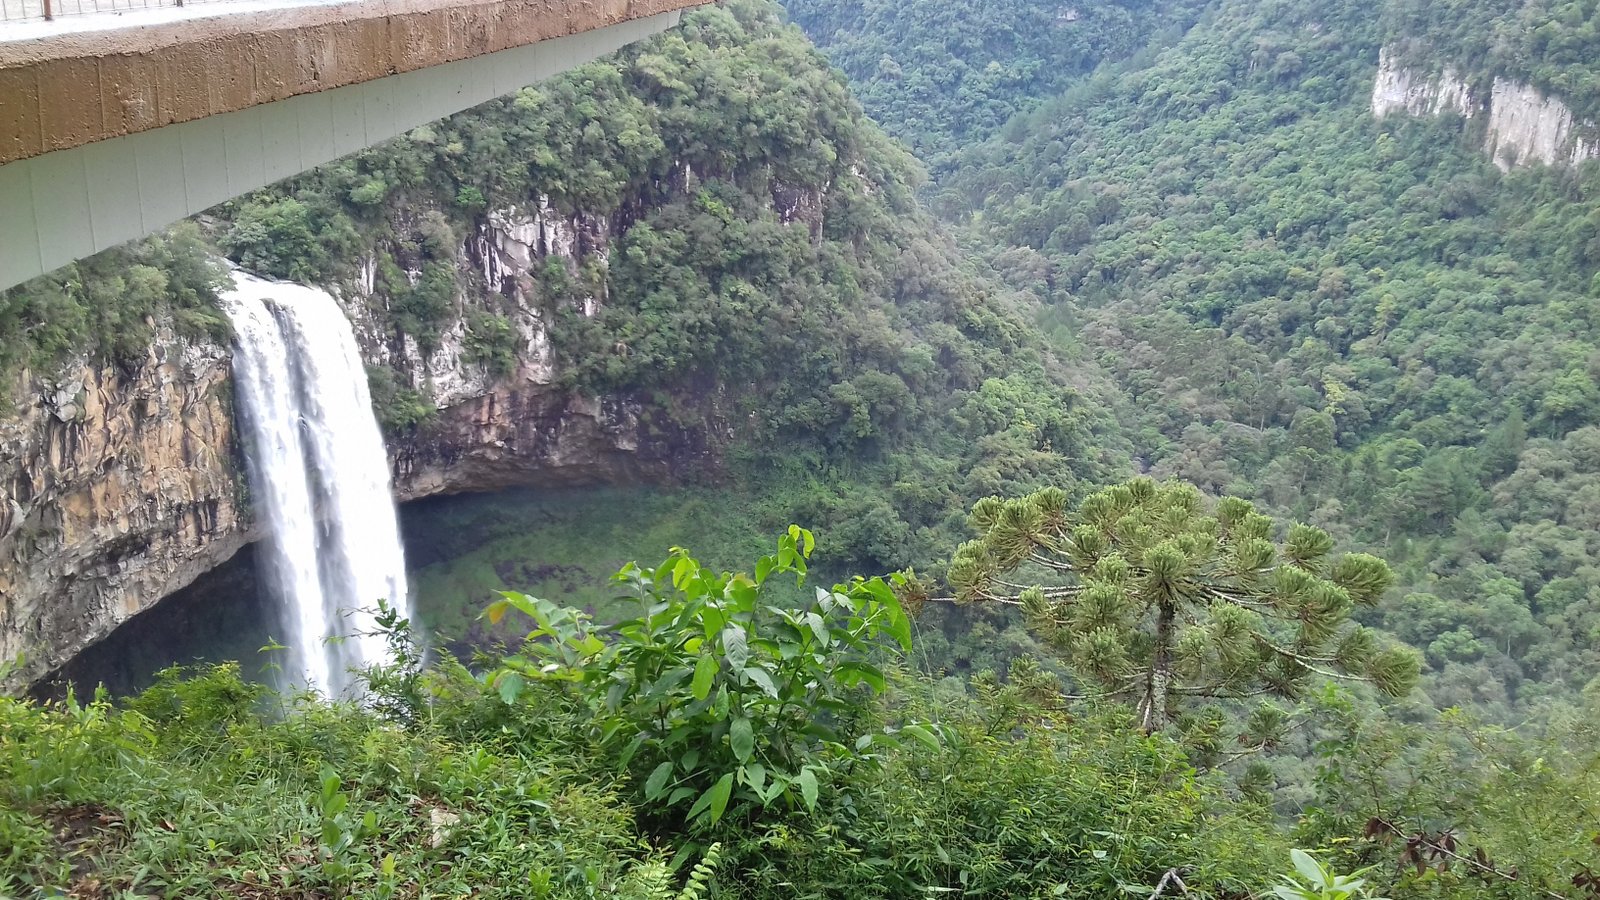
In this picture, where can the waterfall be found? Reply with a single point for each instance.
(319, 477)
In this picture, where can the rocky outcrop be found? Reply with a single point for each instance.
(521, 428)
(1519, 124)
(118, 486)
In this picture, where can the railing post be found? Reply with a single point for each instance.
(49, 13)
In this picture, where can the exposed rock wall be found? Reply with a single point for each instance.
(1518, 123)
(521, 428)
(116, 489)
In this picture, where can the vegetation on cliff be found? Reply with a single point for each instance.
(106, 308)
(1552, 44)
(1200, 257)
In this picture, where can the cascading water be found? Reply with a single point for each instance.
(319, 476)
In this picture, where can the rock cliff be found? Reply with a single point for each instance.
(1519, 124)
(119, 487)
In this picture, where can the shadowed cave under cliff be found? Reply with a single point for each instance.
(563, 543)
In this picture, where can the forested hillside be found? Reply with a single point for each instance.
(1364, 326)
(763, 281)
(943, 75)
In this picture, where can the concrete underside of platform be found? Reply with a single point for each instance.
(112, 147)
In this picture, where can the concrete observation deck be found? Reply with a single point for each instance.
(116, 124)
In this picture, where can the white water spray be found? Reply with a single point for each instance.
(319, 476)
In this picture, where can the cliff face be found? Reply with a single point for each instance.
(118, 488)
(1519, 124)
(520, 428)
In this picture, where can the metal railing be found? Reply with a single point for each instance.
(46, 10)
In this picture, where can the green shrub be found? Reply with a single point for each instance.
(715, 699)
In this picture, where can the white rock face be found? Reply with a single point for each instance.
(1398, 89)
(1526, 126)
(1523, 126)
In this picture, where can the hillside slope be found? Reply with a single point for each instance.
(1364, 324)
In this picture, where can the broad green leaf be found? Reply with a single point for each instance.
(679, 795)
(922, 735)
(681, 572)
(742, 738)
(735, 644)
(743, 593)
(1309, 868)
(715, 800)
(854, 673)
(755, 775)
(629, 751)
(819, 628)
(656, 785)
(762, 680)
(509, 685)
(808, 787)
(721, 791)
(705, 672)
(528, 606)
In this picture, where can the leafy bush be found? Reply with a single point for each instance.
(716, 699)
(104, 306)
(397, 408)
(285, 238)
(1314, 881)
(492, 341)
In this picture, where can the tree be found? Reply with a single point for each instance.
(1158, 601)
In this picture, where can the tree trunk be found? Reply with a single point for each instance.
(1159, 686)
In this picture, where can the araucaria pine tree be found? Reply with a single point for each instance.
(1158, 600)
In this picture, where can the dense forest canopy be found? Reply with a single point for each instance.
(1362, 325)
(942, 75)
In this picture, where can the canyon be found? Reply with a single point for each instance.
(124, 485)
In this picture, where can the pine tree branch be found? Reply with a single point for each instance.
(992, 598)
(1049, 563)
(1220, 692)
(1310, 662)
